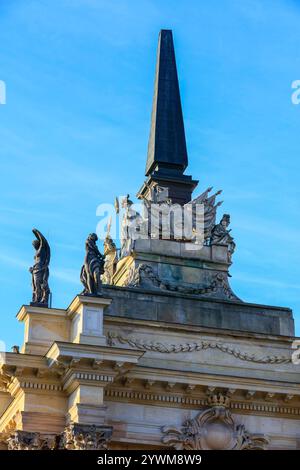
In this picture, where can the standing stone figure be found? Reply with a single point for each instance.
(220, 235)
(129, 226)
(111, 259)
(93, 267)
(40, 270)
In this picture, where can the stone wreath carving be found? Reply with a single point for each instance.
(112, 338)
(213, 429)
(144, 276)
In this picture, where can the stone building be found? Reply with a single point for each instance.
(166, 356)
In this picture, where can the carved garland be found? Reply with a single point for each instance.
(144, 275)
(191, 347)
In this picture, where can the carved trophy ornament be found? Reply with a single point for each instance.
(93, 267)
(40, 270)
(213, 429)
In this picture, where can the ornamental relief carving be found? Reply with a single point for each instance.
(213, 429)
(82, 437)
(113, 338)
(74, 437)
(23, 440)
(144, 276)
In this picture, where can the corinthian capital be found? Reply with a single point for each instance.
(23, 440)
(85, 437)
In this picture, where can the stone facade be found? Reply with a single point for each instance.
(163, 355)
(149, 385)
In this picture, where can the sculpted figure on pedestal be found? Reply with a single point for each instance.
(40, 270)
(93, 267)
(220, 235)
(111, 258)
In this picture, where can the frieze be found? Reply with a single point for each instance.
(165, 348)
(144, 276)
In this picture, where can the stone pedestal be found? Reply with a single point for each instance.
(174, 266)
(43, 326)
(86, 315)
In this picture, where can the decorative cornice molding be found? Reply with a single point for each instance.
(192, 402)
(41, 386)
(92, 377)
(113, 337)
(148, 396)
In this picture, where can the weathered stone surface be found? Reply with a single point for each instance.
(194, 310)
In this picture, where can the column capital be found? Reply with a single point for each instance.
(84, 437)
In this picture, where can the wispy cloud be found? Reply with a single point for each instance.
(14, 261)
(70, 276)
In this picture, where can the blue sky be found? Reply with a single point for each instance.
(74, 131)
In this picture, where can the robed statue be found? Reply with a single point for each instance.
(220, 235)
(93, 267)
(40, 270)
(110, 256)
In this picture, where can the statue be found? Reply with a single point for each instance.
(93, 267)
(129, 227)
(40, 270)
(110, 253)
(220, 235)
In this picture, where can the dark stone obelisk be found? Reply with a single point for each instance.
(167, 154)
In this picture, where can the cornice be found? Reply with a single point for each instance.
(146, 325)
(184, 401)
